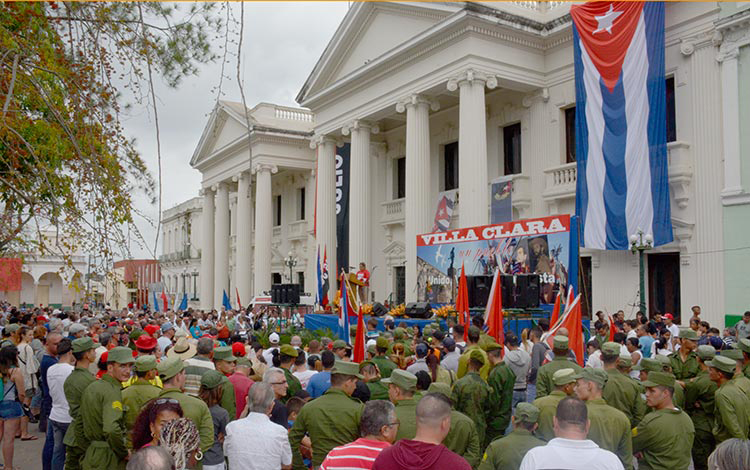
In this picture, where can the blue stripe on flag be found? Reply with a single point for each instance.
(615, 181)
(653, 15)
(582, 132)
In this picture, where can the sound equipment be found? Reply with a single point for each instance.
(508, 288)
(379, 309)
(479, 290)
(421, 310)
(520, 291)
(285, 294)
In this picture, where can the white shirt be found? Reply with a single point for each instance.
(268, 355)
(568, 454)
(632, 334)
(164, 343)
(595, 360)
(255, 443)
(56, 376)
(304, 376)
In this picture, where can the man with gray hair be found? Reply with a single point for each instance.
(377, 427)
(254, 442)
(151, 458)
(276, 379)
(197, 365)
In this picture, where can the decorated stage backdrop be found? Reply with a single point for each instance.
(540, 246)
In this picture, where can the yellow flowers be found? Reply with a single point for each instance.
(398, 311)
(446, 311)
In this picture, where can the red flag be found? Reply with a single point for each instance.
(462, 303)
(164, 299)
(359, 341)
(494, 311)
(573, 323)
(571, 297)
(612, 328)
(239, 304)
(556, 310)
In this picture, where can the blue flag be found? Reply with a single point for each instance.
(319, 299)
(183, 305)
(344, 314)
(156, 303)
(225, 302)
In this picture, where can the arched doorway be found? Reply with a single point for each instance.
(49, 290)
(28, 293)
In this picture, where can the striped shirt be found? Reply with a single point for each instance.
(357, 455)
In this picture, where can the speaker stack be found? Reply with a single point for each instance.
(379, 309)
(520, 290)
(287, 294)
(421, 310)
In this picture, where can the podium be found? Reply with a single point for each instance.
(354, 292)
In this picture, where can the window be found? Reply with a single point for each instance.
(400, 187)
(450, 160)
(570, 135)
(671, 113)
(301, 279)
(277, 211)
(512, 149)
(276, 278)
(301, 204)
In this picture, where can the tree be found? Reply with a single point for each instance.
(65, 161)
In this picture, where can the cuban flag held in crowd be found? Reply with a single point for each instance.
(621, 146)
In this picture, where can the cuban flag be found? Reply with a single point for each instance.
(443, 214)
(344, 312)
(621, 146)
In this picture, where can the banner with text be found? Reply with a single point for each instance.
(342, 208)
(530, 246)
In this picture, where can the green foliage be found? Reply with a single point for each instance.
(285, 336)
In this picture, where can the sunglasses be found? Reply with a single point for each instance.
(162, 401)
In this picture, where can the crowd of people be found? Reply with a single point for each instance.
(182, 390)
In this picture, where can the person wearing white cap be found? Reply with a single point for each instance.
(273, 339)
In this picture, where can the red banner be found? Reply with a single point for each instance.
(10, 274)
(517, 228)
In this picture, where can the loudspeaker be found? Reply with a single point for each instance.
(508, 288)
(379, 309)
(419, 310)
(479, 290)
(532, 292)
(521, 291)
(285, 294)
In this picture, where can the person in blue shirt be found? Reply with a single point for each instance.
(321, 381)
(645, 339)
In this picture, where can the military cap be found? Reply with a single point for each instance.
(735, 354)
(12, 328)
(441, 388)
(288, 350)
(563, 377)
(625, 360)
(135, 334)
(365, 363)
(560, 342)
(145, 363)
(339, 344)
(649, 365)
(722, 363)
(170, 367)
(346, 368)
(477, 355)
(83, 344)
(76, 328)
(403, 379)
(399, 333)
(663, 360)
(474, 330)
(611, 348)
(211, 379)
(382, 342)
(687, 333)
(371, 349)
(656, 379)
(598, 376)
(744, 345)
(243, 361)
(121, 355)
(224, 353)
(491, 346)
(526, 413)
(706, 352)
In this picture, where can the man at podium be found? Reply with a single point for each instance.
(363, 283)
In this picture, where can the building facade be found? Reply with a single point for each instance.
(181, 252)
(437, 97)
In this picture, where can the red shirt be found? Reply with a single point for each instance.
(408, 454)
(241, 386)
(364, 276)
(357, 455)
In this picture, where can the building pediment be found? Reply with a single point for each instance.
(226, 125)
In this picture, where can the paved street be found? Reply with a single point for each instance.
(28, 454)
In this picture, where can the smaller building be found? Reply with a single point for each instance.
(181, 250)
(132, 283)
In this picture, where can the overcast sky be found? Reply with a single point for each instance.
(282, 43)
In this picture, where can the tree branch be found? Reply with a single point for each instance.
(12, 84)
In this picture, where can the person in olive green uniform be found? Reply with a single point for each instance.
(102, 414)
(731, 405)
(136, 395)
(402, 387)
(621, 392)
(744, 345)
(471, 393)
(371, 374)
(400, 337)
(544, 383)
(664, 436)
(678, 398)
(385, 365)
(172, 374)
(462, 438)
(501, 379)
(565, 381)
(609, 427)
(287, 355)
(699, 404)
(330, 420)
(685, 361)
(472, 344)
(508, 452)
(739, 379)
(84, 351)
(225, 362)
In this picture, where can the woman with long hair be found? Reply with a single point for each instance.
(181, 439)
(438, 373)
(526, 344)
(152, 417)
(10, 406)
(29, 366)
(211, 393)
(194, 329)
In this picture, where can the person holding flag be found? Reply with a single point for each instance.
(544, 383)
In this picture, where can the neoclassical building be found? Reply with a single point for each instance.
(436, 97)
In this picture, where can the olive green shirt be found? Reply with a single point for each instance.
(330, 420)
(664, 438)
(406, 412)
(610, 429)
(547, 409)
(471, 396)
(463, 438)
(742, 382)
(378, 390)
(624, 393)
(103, 427)
(385, 365)
(507, 453)
(196, 410)
(134, 397)
(74, 386)
(294, 387)
(746, 370)
(731, 409)
(686, 369)
(228, 399)
(500, 380)
(544, 384)
(699, 401)
(463, 362)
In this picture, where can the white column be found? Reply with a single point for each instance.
(244, 237)
(263, 226)
(221, 244)
(472, 147)
(419, 200)
(731, 122)
(325, 230)
(207, 251)
(360, 217)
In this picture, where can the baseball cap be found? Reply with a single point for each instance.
(403, 379)
(273, 338)
(166, 326)
(449, 342)
(83, 344)
(211, 379)
(145, 363)
(287, 350)
(120, 355)
(170, 367)
(151, 329)
(526, 413)
(669, 316)
(238, 349)
(421, 350)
